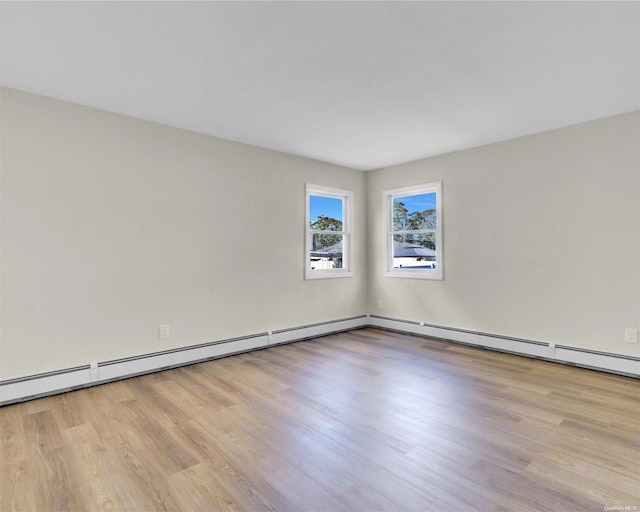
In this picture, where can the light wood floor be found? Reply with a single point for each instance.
(367, 420)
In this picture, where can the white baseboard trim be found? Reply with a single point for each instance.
(35, 386)
(621, 364)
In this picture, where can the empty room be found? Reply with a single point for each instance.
(319, 256)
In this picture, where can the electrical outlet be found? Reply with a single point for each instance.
(164, 332)
(631, 335)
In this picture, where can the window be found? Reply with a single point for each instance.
(413, 231)
(329, 242)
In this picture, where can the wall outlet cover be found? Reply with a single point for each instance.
(164, 332)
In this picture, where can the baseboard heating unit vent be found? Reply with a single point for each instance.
(19, 389)
(621, 364)
(34, 386)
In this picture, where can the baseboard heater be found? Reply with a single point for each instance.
(620, 364)
(44, 384)
(29, 387)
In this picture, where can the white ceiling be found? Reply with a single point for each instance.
(360, 84)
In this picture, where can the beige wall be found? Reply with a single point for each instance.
(541, 237)
(112, 226)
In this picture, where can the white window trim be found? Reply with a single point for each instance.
(347, 233)
(387, 198)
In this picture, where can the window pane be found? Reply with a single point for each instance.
(325, 213)
(414, 250)
(326, 252)
(427, 240)
(415, 212)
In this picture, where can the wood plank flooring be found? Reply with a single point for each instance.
(367, 420)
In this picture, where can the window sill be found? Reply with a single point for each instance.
(331, 274)
(433, 275)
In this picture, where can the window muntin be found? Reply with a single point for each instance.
(413, 231)
(328, 251)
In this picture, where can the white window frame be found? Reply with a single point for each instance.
(347, 233)
(408, 272)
